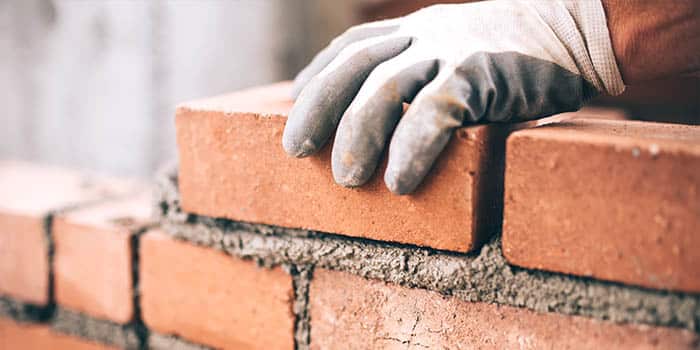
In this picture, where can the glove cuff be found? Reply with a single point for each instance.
(582, 27)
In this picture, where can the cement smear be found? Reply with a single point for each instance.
(102, 331)
(18, 311)
(484, 276)
(301, 279)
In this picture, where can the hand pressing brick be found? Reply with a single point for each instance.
(349, 312)
(28, 194)
(232, 165)
(614, 200)
(208, 297)
(93, 256)
(40, 337)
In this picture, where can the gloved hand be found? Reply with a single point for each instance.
(495, 61)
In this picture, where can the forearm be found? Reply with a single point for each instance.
(654, 39)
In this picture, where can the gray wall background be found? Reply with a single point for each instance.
(93, 84)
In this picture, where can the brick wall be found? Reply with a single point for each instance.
(575, 232)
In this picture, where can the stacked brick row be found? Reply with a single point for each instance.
(247, 248)
(607, 198)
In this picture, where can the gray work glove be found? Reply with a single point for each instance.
(495, 61)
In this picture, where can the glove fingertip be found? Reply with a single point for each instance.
(398, 184)
(354, 175)
(298, 148)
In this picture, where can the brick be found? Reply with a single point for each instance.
(350, 312)
(208, 297)
(28, 193)
(33, 336)
(585, 112)
(24, 265)
(232, 165)
(92, 261)
(613, 200)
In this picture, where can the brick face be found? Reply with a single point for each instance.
(92, 261)
(232, 165)
(24, 265)
(613, 200)
(40, 337)
(211, 298)
(28, 193)
(349, 312)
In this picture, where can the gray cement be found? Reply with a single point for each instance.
(19, 311)
(101, 331)
(484, 276)
(158, 341)
(301, 280)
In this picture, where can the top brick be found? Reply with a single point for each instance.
(615, 200)
(232, 165)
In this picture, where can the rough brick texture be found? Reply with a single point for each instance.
(208, 297)
(349, 312)
(28, 194)
(92, 261)
(40, 337)
(614, 200)
(232, 165)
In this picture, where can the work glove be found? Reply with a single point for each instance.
(495, 61)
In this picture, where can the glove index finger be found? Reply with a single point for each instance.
(323, 101)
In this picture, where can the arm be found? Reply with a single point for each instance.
(654, 39)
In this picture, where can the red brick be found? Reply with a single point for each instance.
(614, 200)
(92, 261)
(585, 112)
(232, 165)
(349, 312)
(208, 297)
(40, 337)
(24, 266)
(28, 193)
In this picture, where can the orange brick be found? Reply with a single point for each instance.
(92, 261)
(349, 312)
(615, 200)
(208, 297)
(24, 265)
(28, 193)
(40, 337)
(232, 165)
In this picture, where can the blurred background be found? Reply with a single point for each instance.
(93, 84)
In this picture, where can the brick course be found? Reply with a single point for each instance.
(613, 200)
(232, 165)
(208, 297)
(350, 312)
(93, 256)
